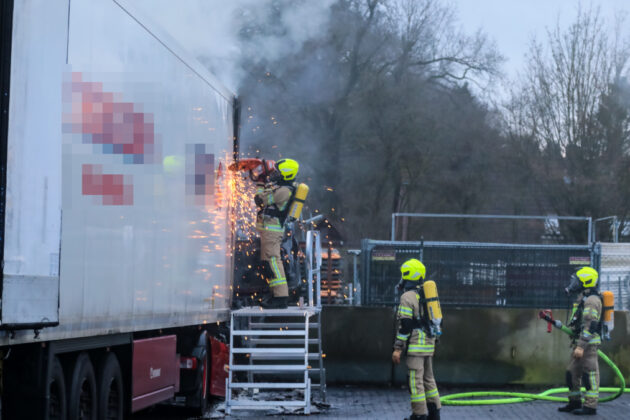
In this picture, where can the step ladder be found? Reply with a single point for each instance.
(274, 350)
(278, 349)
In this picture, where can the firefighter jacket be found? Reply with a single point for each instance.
(417, 341)
(585, 320)
(274, 199)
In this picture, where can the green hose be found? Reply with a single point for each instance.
(518, 397)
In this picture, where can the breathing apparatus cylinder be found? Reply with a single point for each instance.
(608, 315)
(433, 309)
(295, 210)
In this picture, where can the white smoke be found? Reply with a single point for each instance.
(209, 29)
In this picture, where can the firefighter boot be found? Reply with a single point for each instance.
(572, 405)
(434, 412)
(584, 411)
(276, 303)
(417, 417)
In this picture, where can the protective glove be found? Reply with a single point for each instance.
(578, 352)
(396, 356)
(259, 201)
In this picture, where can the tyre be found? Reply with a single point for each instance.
(198, 400)
(110, 389)
(82, 401)
(203, 391)
(57, 400)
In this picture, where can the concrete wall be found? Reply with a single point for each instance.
(485, 346)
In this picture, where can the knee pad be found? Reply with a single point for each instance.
(568, 378)
(586, 382)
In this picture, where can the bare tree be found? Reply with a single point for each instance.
(566, 77)
(430, 42)
(568, 103)
(357, 106)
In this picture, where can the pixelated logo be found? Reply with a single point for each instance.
(115, 190)
(94, 116)
(199, 174)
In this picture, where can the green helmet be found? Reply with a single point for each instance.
(288, 168)
(588, 277)
(584, 278)
(413, 270)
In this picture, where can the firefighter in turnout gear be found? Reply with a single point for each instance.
(417, 336)
(273, 200)
(583, 369)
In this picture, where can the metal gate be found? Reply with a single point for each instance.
(472, 274)
(615, 272)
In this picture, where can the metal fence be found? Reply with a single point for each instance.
(477, 274)
(494, 228)
(615, 272)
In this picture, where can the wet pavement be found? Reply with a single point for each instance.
(347, 402)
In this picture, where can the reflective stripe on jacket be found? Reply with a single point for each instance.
(591, 313)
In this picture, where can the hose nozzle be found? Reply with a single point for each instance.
(547, 316)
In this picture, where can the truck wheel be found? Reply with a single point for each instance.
(203, 391)
(205, 375)
(82, 400)
(198, 400)
(110, 389)
(56, 392)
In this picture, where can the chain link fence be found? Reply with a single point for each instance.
(615, 272)
(472, 274)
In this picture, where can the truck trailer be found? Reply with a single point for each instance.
(115, 214)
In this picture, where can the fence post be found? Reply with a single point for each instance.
(394, 226)
(309, 261)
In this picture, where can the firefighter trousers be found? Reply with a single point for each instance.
(270, 251)
(422, 386)
(584, 371)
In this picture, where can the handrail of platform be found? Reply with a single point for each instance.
(313, 252)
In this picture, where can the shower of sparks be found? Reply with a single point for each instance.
(243, 213)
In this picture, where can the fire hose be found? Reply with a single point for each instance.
(464, 398)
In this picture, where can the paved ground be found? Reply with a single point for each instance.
(389, 403)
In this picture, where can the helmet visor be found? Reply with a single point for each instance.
(574, 286)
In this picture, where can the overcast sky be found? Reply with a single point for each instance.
(511, 23)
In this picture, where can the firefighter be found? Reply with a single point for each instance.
(273, 201)
(583, 368)
(415, 335)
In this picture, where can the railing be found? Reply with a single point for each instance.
(549, 219)
(472, 274)
(313, 251)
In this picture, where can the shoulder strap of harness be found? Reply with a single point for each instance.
(423, 321)
(273, 209)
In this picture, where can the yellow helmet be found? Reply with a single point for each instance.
(413, 270)
(588, 277)
(288, 169)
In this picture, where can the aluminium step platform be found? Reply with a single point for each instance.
(277, 349)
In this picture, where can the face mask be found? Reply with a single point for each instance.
(575, 286)
(401, 285)
(257, 173)
(275, 177)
